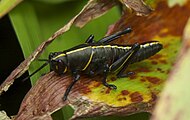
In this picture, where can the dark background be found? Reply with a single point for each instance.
(10, 57)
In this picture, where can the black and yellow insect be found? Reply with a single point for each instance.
(100, 58)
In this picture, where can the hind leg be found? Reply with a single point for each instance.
(110, 38)
(76, 77)
(121, 64)
(90, 39)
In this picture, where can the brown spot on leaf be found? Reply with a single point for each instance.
(133, 77)
(154, 62)
(124, 92)
(156, 57)
(113, 78)
(163, 61)
(97, 84)
(166, 45)
(153, 80)
(108, 90)
(86, 90)
(160, 70)
(153, 97)
(122, 99)
(168, 71)
(136, 97)
(143, 80)
(142, 69)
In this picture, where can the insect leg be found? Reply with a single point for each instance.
(75, 79)
(126, 64)
(90, 39)
(106, 70)
(115, 36)
(122, 63)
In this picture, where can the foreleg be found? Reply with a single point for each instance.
(76, 77)
(106, 70)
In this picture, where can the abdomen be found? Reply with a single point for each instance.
(147, 50)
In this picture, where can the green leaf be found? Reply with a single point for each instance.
(27, 28)
(7, 5)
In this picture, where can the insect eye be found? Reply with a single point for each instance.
(51, 55)
(60, 61)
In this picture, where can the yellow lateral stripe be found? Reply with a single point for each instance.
(148, 44)
(112, 46)
(60, 55)
(124, 61)
(101, 46)
(65, 69)
(89, 60)
(78, 50)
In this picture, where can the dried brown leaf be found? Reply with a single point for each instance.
(46, 97)
(138, 6)
(94, 9)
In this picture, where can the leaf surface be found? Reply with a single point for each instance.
(7, 5)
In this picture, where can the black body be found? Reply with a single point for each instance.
(90, 58)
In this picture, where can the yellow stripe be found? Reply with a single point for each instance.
(60, 55)
(101, 46)
(123, 62)
(89, 60)
(148, 44)
(73, 51)
(112, 46)
(65, 69)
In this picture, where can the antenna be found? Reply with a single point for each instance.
(45, 64)
(43, 60)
